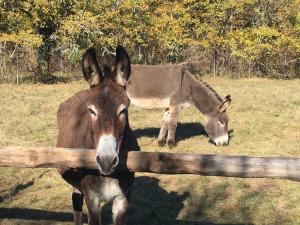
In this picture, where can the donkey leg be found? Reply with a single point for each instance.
(119, 209)
(77, 202)
(93, 205)
(163, 129)
(172, 124)
(94, 210)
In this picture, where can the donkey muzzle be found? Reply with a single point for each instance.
(222, 140)
(107, 157)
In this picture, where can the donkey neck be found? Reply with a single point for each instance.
(205, 98)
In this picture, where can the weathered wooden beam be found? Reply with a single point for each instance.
(157, 162)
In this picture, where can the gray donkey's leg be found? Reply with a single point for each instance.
(163, 129)
(172, 124)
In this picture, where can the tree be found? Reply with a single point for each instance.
(246, 36)
(33, 23)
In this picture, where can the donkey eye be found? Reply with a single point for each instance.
(124, 111)
(92, 111)
(221, 123)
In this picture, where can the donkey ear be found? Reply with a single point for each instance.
(90, 68)
(122, 66)
(225, 104)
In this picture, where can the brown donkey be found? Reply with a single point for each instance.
(173, 87)
(98, 119)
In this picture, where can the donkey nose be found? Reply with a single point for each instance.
(115, 162)
(222, 140)
(107, 163)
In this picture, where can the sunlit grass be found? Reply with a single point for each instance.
(265, 116)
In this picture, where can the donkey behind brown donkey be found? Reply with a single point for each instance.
(98, 119)
(173, 87)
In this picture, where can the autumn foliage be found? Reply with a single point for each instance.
(234, 37)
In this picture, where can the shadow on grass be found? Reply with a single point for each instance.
(16, 190)
(205, 204)
(21, 187)
(188, 130)
(149, 205)
(183, 131)
(50, 79)
(36, 214)
(152, 205)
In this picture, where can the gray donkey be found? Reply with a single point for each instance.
(173, 87)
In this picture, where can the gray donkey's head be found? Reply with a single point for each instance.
(216, 125)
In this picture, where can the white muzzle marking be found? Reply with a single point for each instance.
(222, 140)
(107, 142)
(108, 149)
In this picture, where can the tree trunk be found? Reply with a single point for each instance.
(43, 61)
(215, 58)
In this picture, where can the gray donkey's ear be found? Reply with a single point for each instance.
(122, 66)
(225, 104)
(90, 68)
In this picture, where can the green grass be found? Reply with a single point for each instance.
(265, 116)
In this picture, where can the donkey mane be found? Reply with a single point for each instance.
(206, 99)
(203, 88)
(185, 67)
(211, 89)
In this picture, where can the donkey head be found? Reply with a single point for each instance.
(217, 123)
(107, 105)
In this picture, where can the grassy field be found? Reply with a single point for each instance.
(265, 117)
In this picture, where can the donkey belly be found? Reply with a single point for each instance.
(149, 97)
(153, 87)
(160, 103)
(150, 103)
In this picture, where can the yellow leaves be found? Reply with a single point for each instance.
(265, 32)
(40, 11)
(252, 43)
(289, 41)
(80, 22)
(77, 31)
(25, 38)
(232, 25)
(169, 24)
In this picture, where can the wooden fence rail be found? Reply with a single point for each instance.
(156, 162)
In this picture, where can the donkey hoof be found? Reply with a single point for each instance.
(171, 143)
(161, 142)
